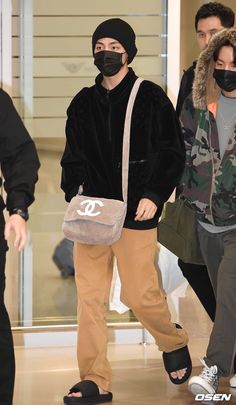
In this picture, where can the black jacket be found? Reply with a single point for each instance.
(186, 85)
(94, 132)
(18, 157)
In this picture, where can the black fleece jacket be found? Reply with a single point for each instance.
(18, 157)
(93, 151)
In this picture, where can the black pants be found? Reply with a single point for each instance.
(199, 280)
(7, 359)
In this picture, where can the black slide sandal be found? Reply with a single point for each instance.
(90, 394)
(177, 360)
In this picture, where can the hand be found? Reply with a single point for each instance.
(18, 225)
(146, 210)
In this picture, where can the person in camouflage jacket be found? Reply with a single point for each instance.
(210, 18)
(209, 181)
(209, 186)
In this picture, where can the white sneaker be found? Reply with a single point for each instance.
(205, 383)
(232, 381)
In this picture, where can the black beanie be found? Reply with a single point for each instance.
(119, 30)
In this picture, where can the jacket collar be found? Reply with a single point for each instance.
(120, 91)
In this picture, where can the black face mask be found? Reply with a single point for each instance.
(108, 62)
(226, 79)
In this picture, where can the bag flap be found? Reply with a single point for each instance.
(100, 210)
(178, 212)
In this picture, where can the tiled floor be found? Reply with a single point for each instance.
(44, 376)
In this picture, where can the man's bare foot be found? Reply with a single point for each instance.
(178, 374)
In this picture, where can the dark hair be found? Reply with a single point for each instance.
(224, 42)
(214, 9)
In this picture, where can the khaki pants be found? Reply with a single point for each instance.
(135, 252)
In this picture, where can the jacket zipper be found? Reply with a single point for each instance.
(109, 115)
(213, 172)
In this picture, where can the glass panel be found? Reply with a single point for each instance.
(54, 64)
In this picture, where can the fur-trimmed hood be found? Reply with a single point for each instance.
(205, 88)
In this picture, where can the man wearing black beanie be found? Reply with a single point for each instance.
(92, 163)
(119, 30)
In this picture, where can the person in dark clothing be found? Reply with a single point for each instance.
(19, 165)
(92, 162)
(210, 19)
(208, 185)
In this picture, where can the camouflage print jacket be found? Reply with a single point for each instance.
(209, 181)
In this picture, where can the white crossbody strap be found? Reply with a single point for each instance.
(126, 138)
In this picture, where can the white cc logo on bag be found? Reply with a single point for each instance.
(90, 207)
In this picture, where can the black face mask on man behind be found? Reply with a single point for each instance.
(226, 79)
(108, 62)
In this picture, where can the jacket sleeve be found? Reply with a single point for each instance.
(189, 123)
(18, 156)
(166, 156)
(72, 162)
